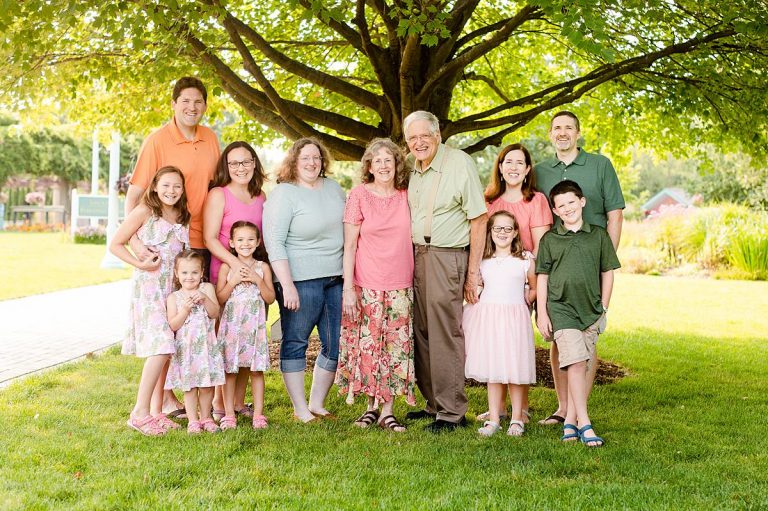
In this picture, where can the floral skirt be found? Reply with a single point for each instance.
(376, 348)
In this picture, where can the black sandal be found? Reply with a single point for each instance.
(367, 419)
(390, 422)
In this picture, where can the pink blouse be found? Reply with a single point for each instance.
(535, 213)
(384, 258)
(235, 210)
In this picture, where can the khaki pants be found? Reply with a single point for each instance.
(438, 337)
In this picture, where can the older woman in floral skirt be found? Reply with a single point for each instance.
(376, 345)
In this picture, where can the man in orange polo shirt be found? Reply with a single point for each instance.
(194, 149)
(183, 143)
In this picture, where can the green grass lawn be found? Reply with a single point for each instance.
(34, 263)
(684, 430)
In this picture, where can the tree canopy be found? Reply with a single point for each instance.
(666, 72)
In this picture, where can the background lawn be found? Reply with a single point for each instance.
(685, 430)
(34, 263)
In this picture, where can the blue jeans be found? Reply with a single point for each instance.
(319, 306)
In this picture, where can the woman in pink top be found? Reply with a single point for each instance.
(235, 195)
(512, 188)
(376, 346)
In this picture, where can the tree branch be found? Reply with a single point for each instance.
(357, 94)
(288, 42)
(457, 20)
(479, 33)
(568, 90)
(488, 81)
(476, 51)
(262, 104)
(342, 29)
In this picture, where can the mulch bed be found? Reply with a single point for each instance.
(607, 372)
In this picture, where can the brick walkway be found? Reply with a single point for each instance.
(42, 331)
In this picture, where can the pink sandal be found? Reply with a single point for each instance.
(228, 422)
(209, 426)
(194, 428)
(146, 426)
(259, 422)
(164, 422)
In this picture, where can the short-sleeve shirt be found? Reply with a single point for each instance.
(384, 256)
(597, 178)
(529, 214)
(574, 261)
(304, 226)
(195, 158)
(459, 198)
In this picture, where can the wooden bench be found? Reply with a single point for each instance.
(28, 211)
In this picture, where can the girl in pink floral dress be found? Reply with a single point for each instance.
(161, 223)
(244, 292)
(376, 346)
(197, 365)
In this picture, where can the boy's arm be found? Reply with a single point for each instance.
(542, 318)
(606, 287)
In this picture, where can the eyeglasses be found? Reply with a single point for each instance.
(499, 228)
(234, 165)
(386, 162)
(313, 159)
(419, 138)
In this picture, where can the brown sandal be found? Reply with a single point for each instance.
(390, 422)
(366, 419)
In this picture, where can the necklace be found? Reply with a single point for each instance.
(501, 259)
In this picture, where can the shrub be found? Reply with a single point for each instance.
(747, 249)
(729, 240)
(92, 235)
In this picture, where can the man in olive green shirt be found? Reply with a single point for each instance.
(448, 217)
(575, 266)
(604, 206)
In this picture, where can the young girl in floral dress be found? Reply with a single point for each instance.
(161, 223)
(197, 365)
(243, 328)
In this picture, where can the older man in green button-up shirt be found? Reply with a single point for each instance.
(448, 217)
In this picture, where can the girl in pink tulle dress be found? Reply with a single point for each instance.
(160, 223)
(245, 292)
(497, 329)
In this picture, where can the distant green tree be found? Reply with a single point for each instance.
(56, 152)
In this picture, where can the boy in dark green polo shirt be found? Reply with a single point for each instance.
(575, 267)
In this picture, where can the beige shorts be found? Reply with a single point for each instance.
(575, 345)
